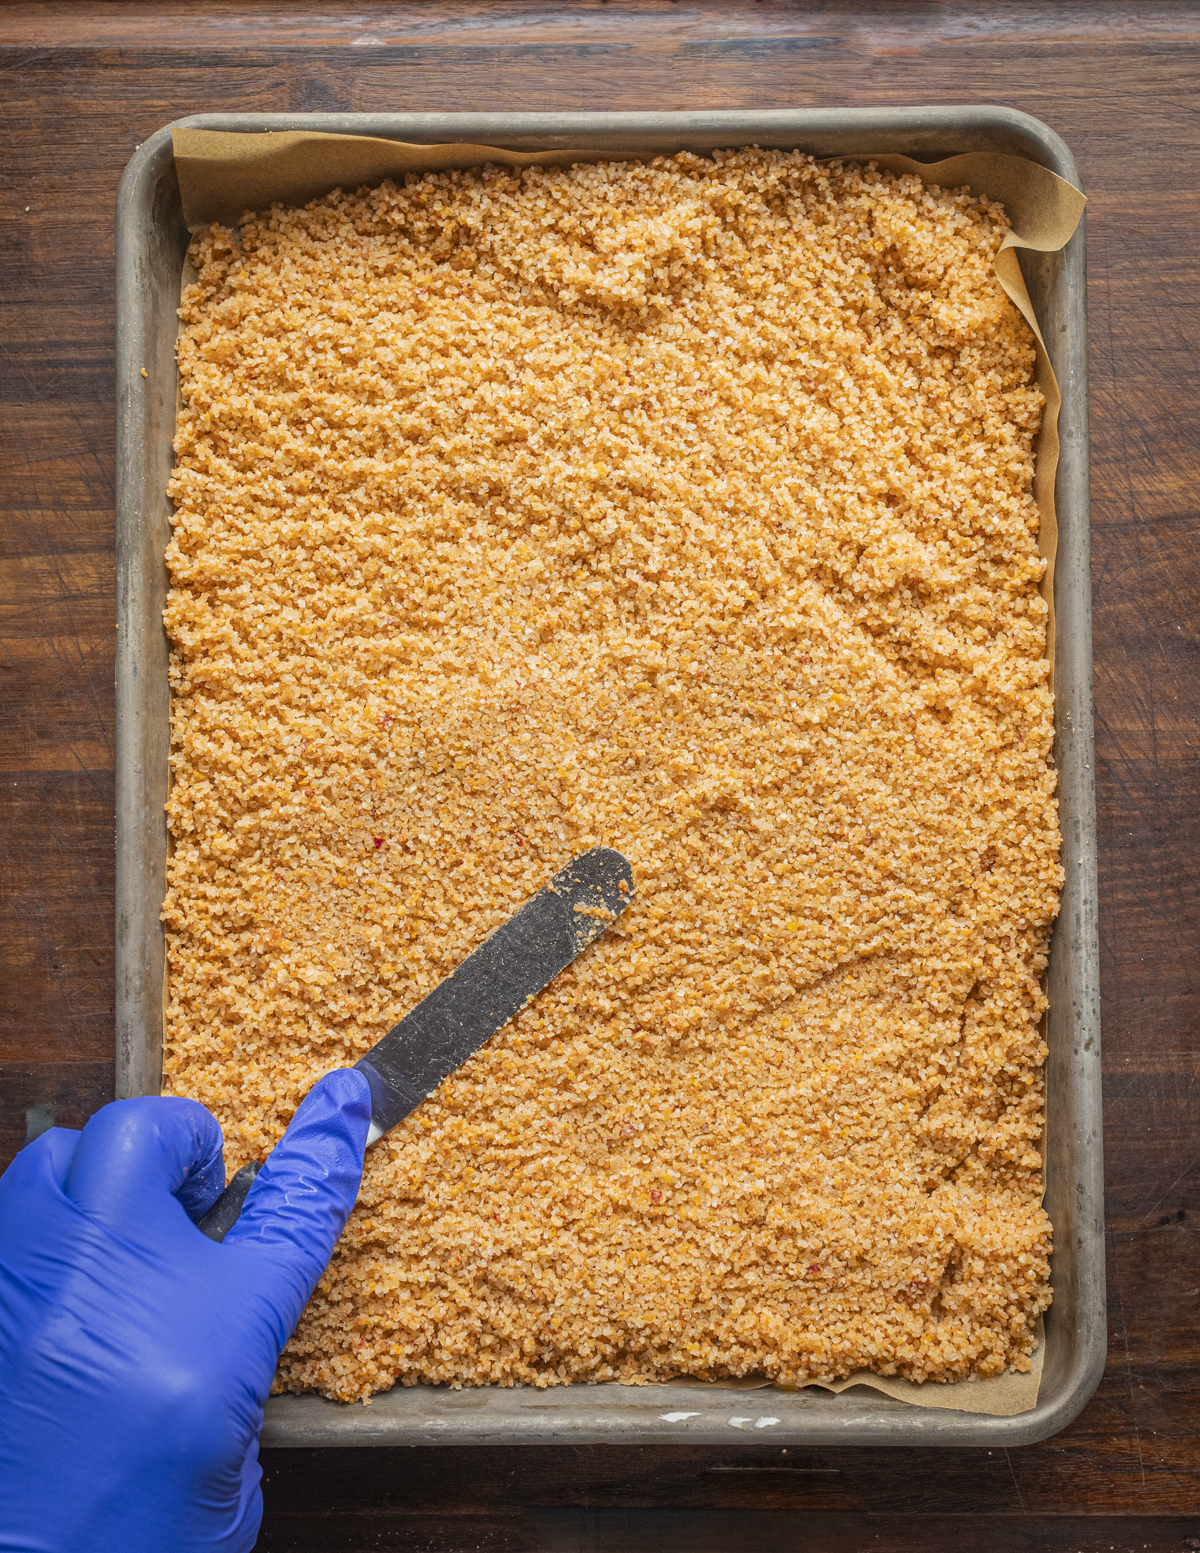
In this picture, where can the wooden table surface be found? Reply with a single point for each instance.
(80, 87)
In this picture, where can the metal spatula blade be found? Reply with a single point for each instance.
(492, 984)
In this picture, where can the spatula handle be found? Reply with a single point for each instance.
(223, 1214)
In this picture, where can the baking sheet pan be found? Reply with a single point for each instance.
(151, 239)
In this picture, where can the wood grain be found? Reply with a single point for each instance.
(744, 1529)
(82, 85)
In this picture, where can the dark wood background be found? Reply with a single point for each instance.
(80, 86)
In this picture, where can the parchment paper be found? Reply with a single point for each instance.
(223, 174)
(1001, 1396)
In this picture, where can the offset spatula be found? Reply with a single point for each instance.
(462, 1012)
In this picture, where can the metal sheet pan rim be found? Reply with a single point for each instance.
(150, 243)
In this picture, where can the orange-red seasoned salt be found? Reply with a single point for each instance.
(685, 508)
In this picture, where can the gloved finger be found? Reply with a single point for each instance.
(51, 1152)
(303, 1195)
(133, 1154)
(204, 1184)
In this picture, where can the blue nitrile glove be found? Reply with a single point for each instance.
(135, 1353)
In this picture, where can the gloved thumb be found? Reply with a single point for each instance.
(303, 1195)
(133, 1154)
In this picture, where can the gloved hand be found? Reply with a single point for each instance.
(135, 1353)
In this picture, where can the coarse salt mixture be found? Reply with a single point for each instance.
(682, 507)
